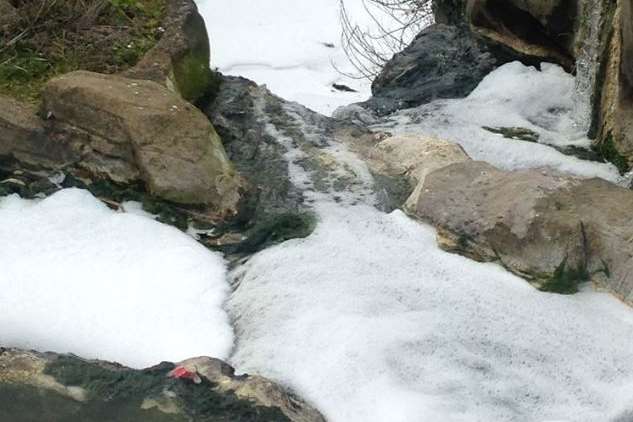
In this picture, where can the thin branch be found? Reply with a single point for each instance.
(396, 22)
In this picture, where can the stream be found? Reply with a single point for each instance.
(366, 318)
(370, 321)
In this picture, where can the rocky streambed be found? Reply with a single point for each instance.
(340, 278)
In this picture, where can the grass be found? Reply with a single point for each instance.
(52, 37)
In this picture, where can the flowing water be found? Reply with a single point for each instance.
(587, 62)
(370, 321)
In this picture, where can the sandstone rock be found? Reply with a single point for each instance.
(627, 40)
(612, 126)
(130, 129)
(541, 28)
(23, 137)
(36, 386)
(414, 157)
(552, 229)
(181, 58)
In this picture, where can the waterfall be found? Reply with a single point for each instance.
(587, 62)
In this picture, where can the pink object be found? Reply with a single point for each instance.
(180, 372)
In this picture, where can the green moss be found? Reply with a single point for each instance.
(272, 230)
(116, 385)
(608, 150)
(565, 280)
(517, 133)
(24, 403)
(192, 76)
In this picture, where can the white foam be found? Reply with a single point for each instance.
(78, 277)
(513, 95)
(282, 43)
(369, 320)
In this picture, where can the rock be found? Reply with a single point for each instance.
(355, 114)
(414, 157)
(564, 32)
(539, 28)
(253, 388)
(612, 125)
(470, 39)
(240, 112)
(130, 129)
(554, 230)
(181, 58)
(442, 62)
(36, 386)
(449, 12)
(258, 129)
(627, 41)
(23, 137)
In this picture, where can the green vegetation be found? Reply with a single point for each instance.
(607, 150)
(516, 133)
(50, 37)
(277, 229)
(565, 280)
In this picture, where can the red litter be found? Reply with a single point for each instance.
(180, 372)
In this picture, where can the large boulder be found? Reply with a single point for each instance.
(128, 130)
(51, 387)
(469, 40)
(551, 229)
(442, 62)
(180, 60)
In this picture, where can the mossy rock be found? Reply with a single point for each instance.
(607, 150)
(181, 59)
(116, 393)
(565, 279)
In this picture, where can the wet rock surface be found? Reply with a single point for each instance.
(36, 386)
(260, 131)
(442, 62)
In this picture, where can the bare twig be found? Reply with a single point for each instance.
(396, 22)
